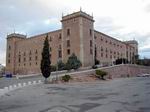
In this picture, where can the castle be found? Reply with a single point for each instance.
(23, 55)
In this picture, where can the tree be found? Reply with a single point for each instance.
(45, 62)
(73, 62)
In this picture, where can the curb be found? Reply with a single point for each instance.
(17, 86)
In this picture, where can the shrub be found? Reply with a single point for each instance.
(53, 68)
(61, 66)
(66, 78)
(73, 62)
(101, 74)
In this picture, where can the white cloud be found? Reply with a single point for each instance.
(123, 19)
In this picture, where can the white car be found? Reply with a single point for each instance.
(144, 75)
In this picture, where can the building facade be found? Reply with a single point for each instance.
(77, 36)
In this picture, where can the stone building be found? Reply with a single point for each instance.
(77, 35)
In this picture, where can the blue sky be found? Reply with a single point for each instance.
(121, 19)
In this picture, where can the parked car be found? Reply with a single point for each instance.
(9, 75)
(143, 75)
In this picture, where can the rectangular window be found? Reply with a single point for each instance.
(24, 54)
(24, 59)
(91, 51)
(68, 32)
(29, 58)
(50, 49)
(90, 32)
(106, 56)
(60, 36)
(68, 51)
(9, 61)
(19, 60)
(68, 43)
(59, 54)
(36, 58)
(9, 55)
(36, 51)
(9, 47)
(50, 38)
(30, 52)
(91, 43)
(101, 54)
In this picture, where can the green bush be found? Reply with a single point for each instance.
(61, 66)
(101, 74)
(73, 63)
(53, 68)
(66, 78)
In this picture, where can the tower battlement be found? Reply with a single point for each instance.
(77, 14)
(17, 35)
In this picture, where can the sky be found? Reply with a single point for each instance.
(121, 19)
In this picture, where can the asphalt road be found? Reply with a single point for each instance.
(119, 95)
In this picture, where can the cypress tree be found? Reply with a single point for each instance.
(45, 62)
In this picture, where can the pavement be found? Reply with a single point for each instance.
(119, 95)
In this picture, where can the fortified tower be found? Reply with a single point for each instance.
(78, 37)
(11, 51)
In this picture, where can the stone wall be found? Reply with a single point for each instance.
(117, 71)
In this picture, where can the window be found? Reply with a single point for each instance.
(91, 51)
(24, 64)
(59, 54)
(19, 60)
(60, 36)
(90, 32)
(106, 50)
(50, 38)
(50, 49)
(68, 51)
(24, 54)
(101, 54)
(91, 43)
(9, 55)
(101, 48)
(36, 58)
(9, 61)
(68, 32)
(36, 63)
(36, 51)
(68, 43)
(24, 59)
(30, 58)
(9, 47)
(106, 55)
(60, 47)
(30, 52)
